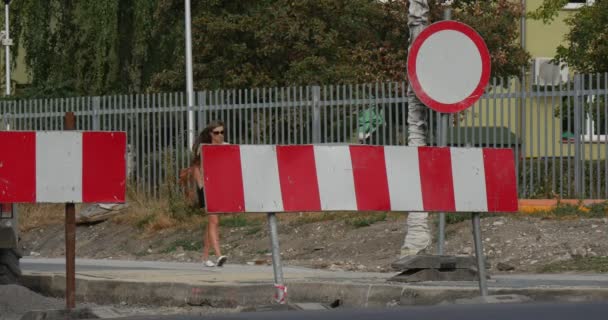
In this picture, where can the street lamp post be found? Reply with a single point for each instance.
(189, 80)
(7, 42)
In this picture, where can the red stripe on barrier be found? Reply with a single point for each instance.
(369, 173)
(501, 186)
(223, 178)
(17, 167)
(104, 168)
(436, 179)
(298, 178)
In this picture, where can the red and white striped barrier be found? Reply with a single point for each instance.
(62, 166)
(250, 178)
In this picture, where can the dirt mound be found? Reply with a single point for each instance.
(363, 242)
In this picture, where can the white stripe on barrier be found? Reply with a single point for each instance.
(58, 166)
(261, 179)
(335, 176)
(403, 178)
(469, 179)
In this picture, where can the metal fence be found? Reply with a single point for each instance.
(559, 133)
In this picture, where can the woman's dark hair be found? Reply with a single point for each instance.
(204, 137)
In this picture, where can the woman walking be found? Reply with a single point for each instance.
(212, 134)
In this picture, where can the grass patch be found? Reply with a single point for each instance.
(187, 245)
(591, 264)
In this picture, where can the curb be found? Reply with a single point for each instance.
(231, 295)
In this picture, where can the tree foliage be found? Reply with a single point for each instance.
(587, 41)
(92, 47)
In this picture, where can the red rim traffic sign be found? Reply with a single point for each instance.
(449, 66)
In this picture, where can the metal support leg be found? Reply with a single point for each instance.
(281, 288)
(441, 239)
(70, 235)
(481, 266)
(443, 141)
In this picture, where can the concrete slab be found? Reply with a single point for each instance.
(182, 284)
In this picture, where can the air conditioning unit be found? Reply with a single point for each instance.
(547, 73)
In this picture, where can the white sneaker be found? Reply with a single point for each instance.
(221, 260)
(208, 263)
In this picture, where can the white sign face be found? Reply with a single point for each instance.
(449, 66)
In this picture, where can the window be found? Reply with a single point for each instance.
(575, 4)
(595, 125)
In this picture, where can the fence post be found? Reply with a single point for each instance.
(96, 121)
(578, 109)
(316, 114)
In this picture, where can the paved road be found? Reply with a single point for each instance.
(452, 312)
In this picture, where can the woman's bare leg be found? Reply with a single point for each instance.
(214, 233)
(206, 243)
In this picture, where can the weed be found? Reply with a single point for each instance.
(367, 221)
(316, 217)
(598, 210)
(565, 209)
(253, 230)
(187, 245)
(590, 264)
(455, 218)
(33, 216)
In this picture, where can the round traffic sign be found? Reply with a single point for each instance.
(448, 66)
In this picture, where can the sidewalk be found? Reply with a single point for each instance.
(178, 284)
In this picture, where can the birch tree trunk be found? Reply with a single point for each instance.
(418, 235)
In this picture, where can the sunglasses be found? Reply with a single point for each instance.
(218, 132)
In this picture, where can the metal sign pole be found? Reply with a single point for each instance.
(277, 267)
(443, 139)
(481, 266)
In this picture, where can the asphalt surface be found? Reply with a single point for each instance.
(598, 311)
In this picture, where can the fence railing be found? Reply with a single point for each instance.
(559, 133)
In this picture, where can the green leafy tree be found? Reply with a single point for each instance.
(92, 47)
